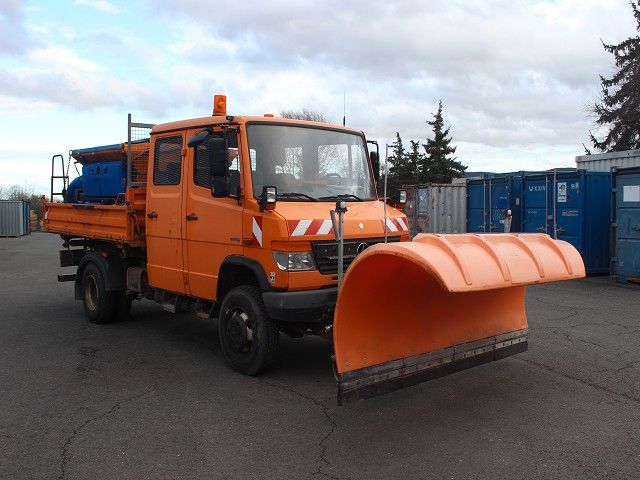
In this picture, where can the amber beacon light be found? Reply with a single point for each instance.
(219, 104)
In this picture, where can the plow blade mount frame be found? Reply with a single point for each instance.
(410, 312)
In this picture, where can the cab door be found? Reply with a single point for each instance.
(164, 222)
(213, 225)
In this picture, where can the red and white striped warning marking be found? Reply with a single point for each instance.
(256, 228)
(395, 224)
(299, 228)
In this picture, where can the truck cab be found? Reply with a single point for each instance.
(238, 202)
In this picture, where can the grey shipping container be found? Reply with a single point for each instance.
(604, 162)
(14, 218)
(437, 208)
(625, 225)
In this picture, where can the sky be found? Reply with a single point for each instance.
(515, 77)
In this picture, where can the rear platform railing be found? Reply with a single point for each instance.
(138, 135)
(64, 177)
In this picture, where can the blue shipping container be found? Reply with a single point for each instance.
(571, 206)
(625, 263)
(490, 198)
(103, 180)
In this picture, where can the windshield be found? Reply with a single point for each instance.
(309, 164)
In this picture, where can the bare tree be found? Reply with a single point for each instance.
(304, 114)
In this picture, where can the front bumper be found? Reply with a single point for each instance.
(307, 306)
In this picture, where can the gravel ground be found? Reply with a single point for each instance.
(152, 398)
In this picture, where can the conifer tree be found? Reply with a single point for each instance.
(396, 160)
(414, 158)
(437, 165)
(619, 106)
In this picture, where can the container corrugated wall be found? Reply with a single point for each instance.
(625, 228)
(437, 208)
(493, 203)
(603, 162)
(14, 218)
(571, 206)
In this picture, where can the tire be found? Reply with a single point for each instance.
(101, 306)
(248, 337)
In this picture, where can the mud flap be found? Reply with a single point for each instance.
(414, 311)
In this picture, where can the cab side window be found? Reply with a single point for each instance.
(201, 170)
(167, 164)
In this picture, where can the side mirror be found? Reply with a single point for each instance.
(218, 167)
(198, 138)
(375, 165)
(268, 198)
(218, 161)
(220, 186)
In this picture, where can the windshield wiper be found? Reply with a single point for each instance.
(342, 196)
(296, 194)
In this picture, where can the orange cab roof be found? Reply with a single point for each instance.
(218, 119)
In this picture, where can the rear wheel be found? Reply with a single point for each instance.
(102, 306)
(248, 337)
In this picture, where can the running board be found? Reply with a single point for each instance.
(387, 377)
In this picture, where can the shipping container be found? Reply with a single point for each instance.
(625, 226)
(571, 206)
(604, 162)
(493, 203)
(14, 218)
(436, 208)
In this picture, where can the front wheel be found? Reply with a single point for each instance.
(248, 337)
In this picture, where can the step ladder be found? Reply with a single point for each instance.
(64, 177)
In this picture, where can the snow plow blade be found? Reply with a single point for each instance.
(410, 312)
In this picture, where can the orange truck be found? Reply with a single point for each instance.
(251, 220)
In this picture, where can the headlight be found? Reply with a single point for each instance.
(294, 261)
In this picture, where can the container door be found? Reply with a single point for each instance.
(535, 205)
(213, 225)
(628, 230)
(500, 195)
(569, 210)
(164, 214)
(476, 204)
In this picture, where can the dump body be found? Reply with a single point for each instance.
(121, 224)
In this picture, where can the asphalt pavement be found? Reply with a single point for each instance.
(152, 397)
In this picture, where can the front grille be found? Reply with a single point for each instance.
(325, 253)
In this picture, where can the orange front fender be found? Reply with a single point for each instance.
(411, 311)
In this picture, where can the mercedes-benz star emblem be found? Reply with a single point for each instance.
(361, 248)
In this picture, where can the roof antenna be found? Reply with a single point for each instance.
(344, 107)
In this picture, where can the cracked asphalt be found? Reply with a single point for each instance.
(152, 397)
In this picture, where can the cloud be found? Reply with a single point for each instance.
(514, 76)
(13, 36)
(509, 72)
(102, 5)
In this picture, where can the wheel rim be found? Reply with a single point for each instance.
(239, 331)
(91, 292)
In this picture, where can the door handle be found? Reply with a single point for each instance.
(152, 215)
(192, 216)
